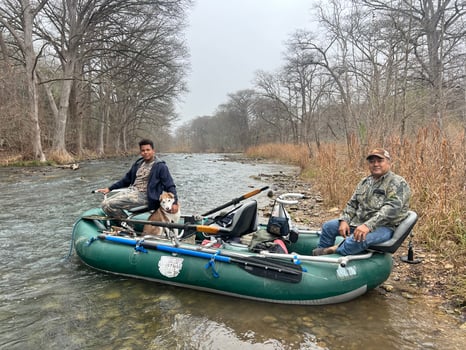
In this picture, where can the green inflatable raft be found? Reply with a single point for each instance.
(203, 254)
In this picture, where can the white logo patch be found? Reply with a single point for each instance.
(346, 273)
(170, 266)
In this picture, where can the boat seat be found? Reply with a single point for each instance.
(243, 221)
(401, 232)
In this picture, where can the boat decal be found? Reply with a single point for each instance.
(170, 266)
(346, 272)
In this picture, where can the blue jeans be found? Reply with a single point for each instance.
(349, 246)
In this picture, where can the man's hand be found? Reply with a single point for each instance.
(360, 233)
(103, 190)
(175, 208)
(344, 229)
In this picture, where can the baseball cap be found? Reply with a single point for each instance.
(379, 152)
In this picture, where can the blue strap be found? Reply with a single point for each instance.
(296, 261)
(91, 240)
(211, 264)
(139, 247)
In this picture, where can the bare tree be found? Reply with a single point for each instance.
(64, 27)
(279, 114)
(436, 31)
(338, 72)
(237, 114)
(307, 83)
(267, 121)
(131, 51)
(139, 66)
(20, 26)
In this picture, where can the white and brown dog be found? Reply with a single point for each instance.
(163, 214)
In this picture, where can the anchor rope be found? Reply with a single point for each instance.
(70, 252)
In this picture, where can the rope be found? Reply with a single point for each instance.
(139, 247)
(70, 252)
(211, 264)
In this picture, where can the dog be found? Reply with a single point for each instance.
(163, 214)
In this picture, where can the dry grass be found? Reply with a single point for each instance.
(10, 159)
(60, 157)
(294, 154)
(433, 164)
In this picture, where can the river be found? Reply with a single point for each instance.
(50, 300)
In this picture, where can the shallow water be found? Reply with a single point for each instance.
(49, 302)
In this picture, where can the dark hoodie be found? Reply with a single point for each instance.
(159, 180)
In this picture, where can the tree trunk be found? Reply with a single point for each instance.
(59, 145)
(31, 78)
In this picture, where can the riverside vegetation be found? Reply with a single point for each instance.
(435, 168)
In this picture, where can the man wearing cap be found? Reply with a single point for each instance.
(379, 204)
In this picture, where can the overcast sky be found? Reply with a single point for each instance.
(229, 40)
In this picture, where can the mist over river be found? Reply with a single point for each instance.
(50, 300)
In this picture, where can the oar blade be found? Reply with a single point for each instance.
(278, 275)
(278, 270)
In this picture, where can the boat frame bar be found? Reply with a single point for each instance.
(342, 260)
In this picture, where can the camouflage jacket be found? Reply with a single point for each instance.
(382, 202)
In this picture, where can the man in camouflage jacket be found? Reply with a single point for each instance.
(379, 204)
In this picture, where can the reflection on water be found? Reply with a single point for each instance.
(47, 302)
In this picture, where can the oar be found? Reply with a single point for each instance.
(236, 200)
(282, 271)
(213, 230)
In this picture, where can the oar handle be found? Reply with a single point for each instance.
(211, 230)
(236, 200)
(253, 193)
